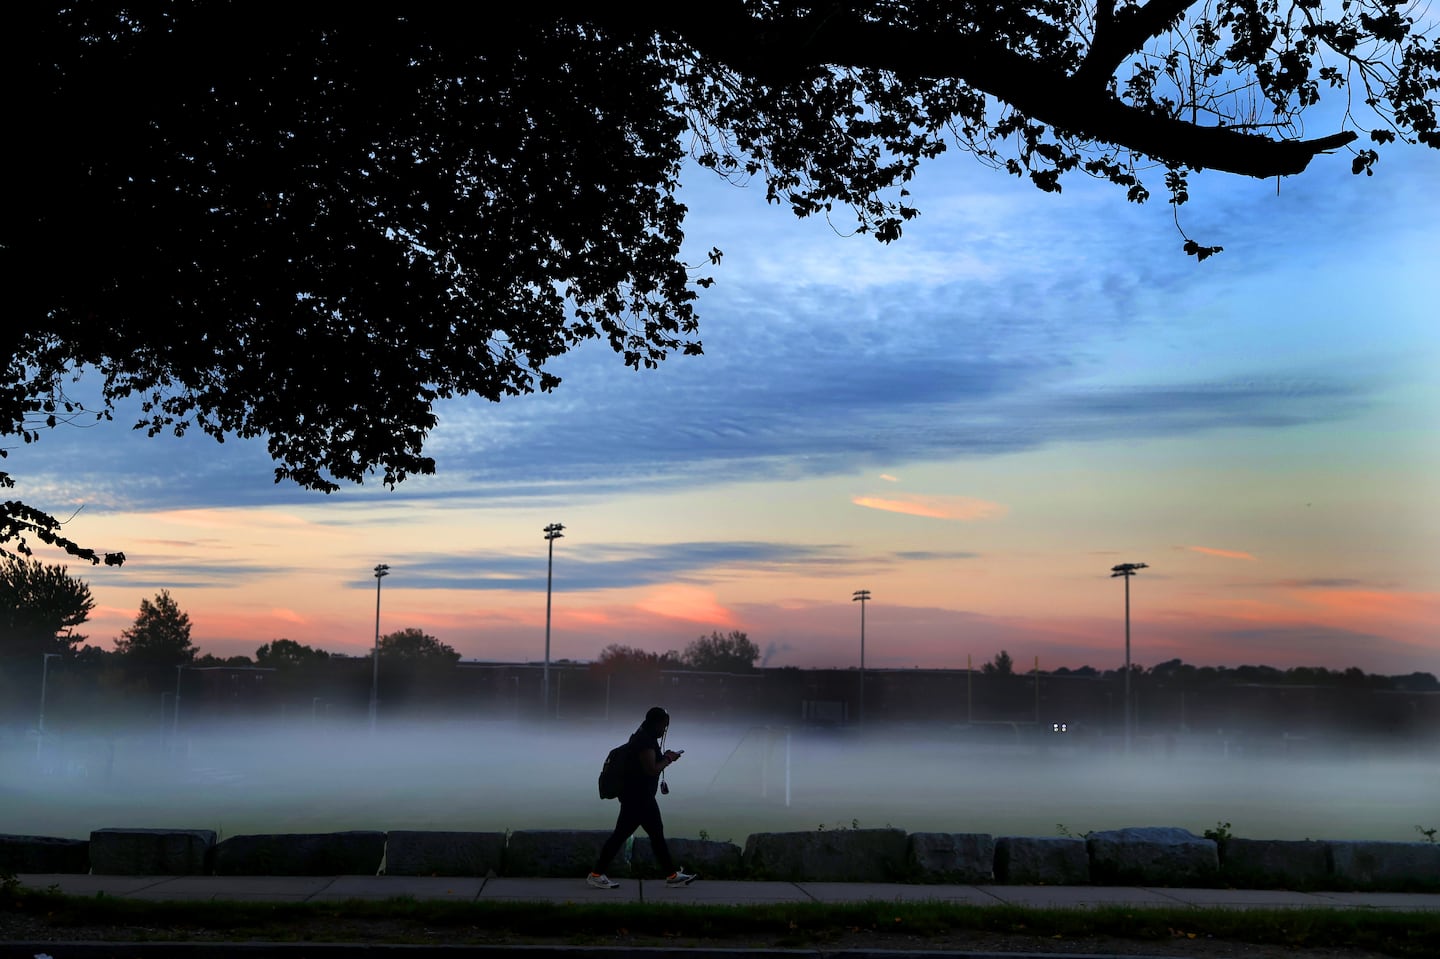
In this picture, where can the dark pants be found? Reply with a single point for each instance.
(639, 813)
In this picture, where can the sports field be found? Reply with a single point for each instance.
(733, 780)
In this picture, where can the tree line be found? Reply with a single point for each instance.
(1178, 672)
(41, 605)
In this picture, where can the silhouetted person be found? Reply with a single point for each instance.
(638, 807)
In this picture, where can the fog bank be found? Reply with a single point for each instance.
(732, 781)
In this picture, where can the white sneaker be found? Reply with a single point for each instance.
(602, 881)
(680, 878)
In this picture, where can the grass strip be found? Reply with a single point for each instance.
(1396, 933)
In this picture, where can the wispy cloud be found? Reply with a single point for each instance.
(926, 555)
(783, 392)
(612, 565)
(1379, 606)
(1321, 583)
(935, 507)
(148, 571)
(1403, 617)
(1225, 553)
(1301, 644)
(228, 519)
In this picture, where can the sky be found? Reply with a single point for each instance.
(974, 423)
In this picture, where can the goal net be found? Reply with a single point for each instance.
(758, 766)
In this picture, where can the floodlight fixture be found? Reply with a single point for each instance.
(381, 571)
(1127, 570)
(552, 533)
(861, 596)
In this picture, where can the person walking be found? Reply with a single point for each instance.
(638, 806)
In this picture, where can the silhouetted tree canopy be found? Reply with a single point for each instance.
(416, 645)
(160, 635)
(286, 653)
(1180, 672)
(40, 606)
(309, 223)
(1001, 665)
(732, 652)
(210, 659)
(619, 658)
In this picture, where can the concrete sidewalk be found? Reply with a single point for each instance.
(713, 893)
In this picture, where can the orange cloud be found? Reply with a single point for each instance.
(289, 616)
(889, 478)
(1255, 610)
(1373, 605)
(592, 616)
(1227, 553)
(935, 507)
(232, 518)
(690, 603)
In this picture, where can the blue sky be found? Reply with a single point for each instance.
(974, 422)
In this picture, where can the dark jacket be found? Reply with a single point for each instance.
(637, 784)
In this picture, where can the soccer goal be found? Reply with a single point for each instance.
(759, 765)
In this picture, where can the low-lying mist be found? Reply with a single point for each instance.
(733, 780)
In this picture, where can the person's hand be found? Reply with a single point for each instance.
(671, 755)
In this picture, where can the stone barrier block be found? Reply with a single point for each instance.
(1398, 866)
(43, 854)
(1275, 863)
(356, 853)
(151, 852)
(707, 858)
(952, 856)
(1153, 856)
(1042, 860)
(558, 852)
(437, 853)
(838, 855)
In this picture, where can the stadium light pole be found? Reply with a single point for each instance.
(40, 724)
(381, 571)
(861, 596)
(1126, 570)
(175, 716)
(552, 533)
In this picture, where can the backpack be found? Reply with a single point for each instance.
(615, 771)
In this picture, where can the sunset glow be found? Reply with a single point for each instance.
(975, 423)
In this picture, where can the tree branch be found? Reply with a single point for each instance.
(778, 51)
(1125, 33)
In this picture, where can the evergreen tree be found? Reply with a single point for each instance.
(1001, 665)
(40, 606)
(160, 635)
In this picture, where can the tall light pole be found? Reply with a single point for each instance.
(861, 596)
(1127, 570)
(381, 571)
(552, 533)
(175, 716)
(40, 725)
